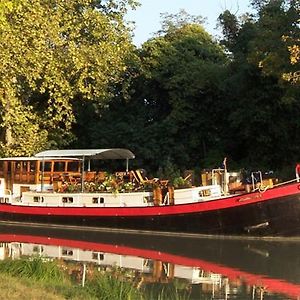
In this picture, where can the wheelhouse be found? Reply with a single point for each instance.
(20, 174)
(47, 169)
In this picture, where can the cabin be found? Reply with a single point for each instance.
(21, 174)
(47, 170)
(65, 178)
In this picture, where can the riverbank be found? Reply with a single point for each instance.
(38, 278)
(15, 288)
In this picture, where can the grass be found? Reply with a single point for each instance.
(107, 287)
(13, 288)
(35, 269)
(36, 278)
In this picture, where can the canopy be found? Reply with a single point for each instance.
(33, 158)
(117, 153)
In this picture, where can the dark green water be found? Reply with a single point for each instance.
(164, 267)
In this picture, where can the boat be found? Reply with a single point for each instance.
(60, 187)
(221, 268)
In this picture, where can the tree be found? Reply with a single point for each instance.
(264, 109)
(276, 20)
(175, 113)
(53, 53)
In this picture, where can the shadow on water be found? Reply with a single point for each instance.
(205, 268)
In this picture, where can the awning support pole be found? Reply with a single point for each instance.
(43, 174)
(82, 175)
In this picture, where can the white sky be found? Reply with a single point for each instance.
(147, 16)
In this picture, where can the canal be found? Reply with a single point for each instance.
(164, 267)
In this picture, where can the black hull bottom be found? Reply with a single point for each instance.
(278, 217)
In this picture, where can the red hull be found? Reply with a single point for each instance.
(273, 212)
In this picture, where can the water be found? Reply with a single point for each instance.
(193, 268)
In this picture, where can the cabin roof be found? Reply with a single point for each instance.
(33, 158)
(116, 153)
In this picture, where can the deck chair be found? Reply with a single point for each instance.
(139, 177)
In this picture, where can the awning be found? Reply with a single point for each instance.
(34, 158)
(117, 153)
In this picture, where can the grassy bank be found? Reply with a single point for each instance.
(39, 279)
(16, 288)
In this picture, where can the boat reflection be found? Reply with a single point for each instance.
(222, 269)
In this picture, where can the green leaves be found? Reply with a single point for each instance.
(54, 52)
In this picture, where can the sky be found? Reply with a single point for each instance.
(147, 16)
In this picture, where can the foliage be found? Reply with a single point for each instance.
(175, 291)
(277, 19)
(108, 287)
(70, 77)
(51, 54)
(173, 114)
(172, 22)
(264, 109)
(35, 269)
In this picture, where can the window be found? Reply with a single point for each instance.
(32, 166)
(38, 249)
(96, 255)
(24, 166)
(9, 167)
(97, 200)
(38, 199)
(67, 252)
(2, 200)
(67, 199)
(18, 166)
(59, 166)
(73, 166)
(47, 166)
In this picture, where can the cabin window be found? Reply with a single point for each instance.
(205, 193)
(67, 252)
(1, 167)
(97, 200)
(59, 166)
(38, 199)
(9, 167)
(4, 200)
(38, 249)
(98, 256)
(73, 166)
(47, 166)
(18, 166)
(24, 166)
(32, 166)
(67, 199)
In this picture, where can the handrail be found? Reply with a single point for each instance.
(285, 182)
(253, 178)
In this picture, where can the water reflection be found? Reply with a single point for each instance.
(201, 268)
